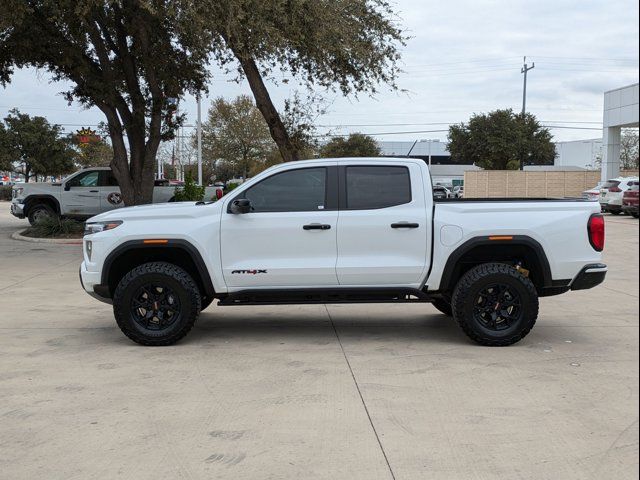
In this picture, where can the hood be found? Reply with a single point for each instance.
(36, 187)
(159, 211)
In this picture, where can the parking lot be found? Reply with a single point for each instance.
(313, 392)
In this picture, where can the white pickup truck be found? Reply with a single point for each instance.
(84, 194)
(354, 230)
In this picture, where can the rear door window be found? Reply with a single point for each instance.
(373, 187)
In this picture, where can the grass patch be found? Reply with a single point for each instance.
(55, 227)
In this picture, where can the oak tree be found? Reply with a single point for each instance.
(501, 140)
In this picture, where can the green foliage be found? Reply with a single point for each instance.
(94, 154)
(500, 140)
(355, 145)
(235, 134)
(190, 192)
(53, 226)
(32, 146)
(5, 192)
(349, 45)
(231, 186)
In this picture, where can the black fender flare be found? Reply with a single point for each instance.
(32, 200)
(512, 240)
(192, 251)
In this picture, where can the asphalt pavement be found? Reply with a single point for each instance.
(313, 392)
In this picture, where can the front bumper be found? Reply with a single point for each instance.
(90, 282)
(590, 276)
(17, 210)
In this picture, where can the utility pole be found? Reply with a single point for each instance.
(524, 70)
(199, 139)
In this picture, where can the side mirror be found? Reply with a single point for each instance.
(240, 205)
(67, 187)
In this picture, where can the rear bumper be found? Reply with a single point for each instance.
(630, 208)
(590, 276)
(611, 207)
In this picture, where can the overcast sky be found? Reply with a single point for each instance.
(464, 56)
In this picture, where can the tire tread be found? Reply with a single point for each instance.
(163, 268)
(478, 274)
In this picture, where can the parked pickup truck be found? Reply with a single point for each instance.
(82, 195)
(348, 230)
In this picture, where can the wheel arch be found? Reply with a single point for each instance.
(503, 248)
(33, 200)
(135, 252)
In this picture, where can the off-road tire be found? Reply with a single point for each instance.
(37, 210)
(635, 214)
(466, 294)
(443, 306)
(161, 273)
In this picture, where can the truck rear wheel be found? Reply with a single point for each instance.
(495, 305)
(156, 304)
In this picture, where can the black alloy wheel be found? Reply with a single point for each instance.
(155, 306)
(497, 307)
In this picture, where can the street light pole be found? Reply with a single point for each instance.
(199, 139)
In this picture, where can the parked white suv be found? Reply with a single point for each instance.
(612, 192)
(82, 195)
(342, 231)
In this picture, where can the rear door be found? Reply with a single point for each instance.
(382, 227)
(110, 196)
(289, 237)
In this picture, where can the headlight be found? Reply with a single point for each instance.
(97, 227)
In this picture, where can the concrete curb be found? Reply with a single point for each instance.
(59, 241)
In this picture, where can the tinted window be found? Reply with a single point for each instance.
(87, 179)
(293, 191)
(377, 187)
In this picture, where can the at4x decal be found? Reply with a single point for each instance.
(249, 272)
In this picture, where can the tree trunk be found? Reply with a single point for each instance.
(265, 105)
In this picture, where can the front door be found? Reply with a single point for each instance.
(288, 239)
(82, 195)
(383, 235)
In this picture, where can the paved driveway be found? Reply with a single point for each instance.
(313, 392)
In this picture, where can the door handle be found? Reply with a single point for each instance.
(404, 225)
(316, 226)
(94, 191)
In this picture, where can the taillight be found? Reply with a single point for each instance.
(595, 227)
(615, 189)
(218, 193)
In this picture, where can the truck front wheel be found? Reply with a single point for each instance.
(39, 210)
(495, 304)
(156, 304)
